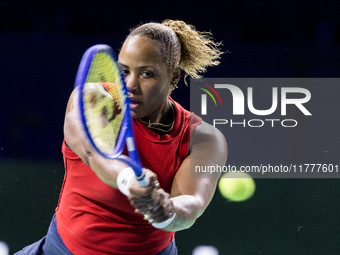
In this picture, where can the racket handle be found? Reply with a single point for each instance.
(143, 180)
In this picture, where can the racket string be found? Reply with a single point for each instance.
(103, 101)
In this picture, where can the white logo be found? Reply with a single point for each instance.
(278, 103)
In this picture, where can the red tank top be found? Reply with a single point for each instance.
(94, 218)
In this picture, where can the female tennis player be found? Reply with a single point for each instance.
(93, 215)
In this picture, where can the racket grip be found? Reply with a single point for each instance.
(143, 179)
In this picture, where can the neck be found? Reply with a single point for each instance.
(164, 123)
(163, 115)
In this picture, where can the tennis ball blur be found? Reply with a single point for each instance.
(236, 186)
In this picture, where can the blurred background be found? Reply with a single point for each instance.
(41, 44)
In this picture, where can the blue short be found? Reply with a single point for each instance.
(52, 244)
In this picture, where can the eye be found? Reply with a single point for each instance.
(124, 72)
(147, 74)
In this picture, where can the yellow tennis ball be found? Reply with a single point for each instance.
(236, 186)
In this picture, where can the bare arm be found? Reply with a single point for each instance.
(106, 169)
(192, 195)
(73, 132)
(189, 196)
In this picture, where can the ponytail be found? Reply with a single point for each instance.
(198, 49)
(182, 46)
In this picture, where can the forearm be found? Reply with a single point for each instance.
(106, 169)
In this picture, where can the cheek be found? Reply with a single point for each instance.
(157, 94)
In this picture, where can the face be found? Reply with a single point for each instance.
(147, 77)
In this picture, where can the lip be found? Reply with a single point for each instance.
(134, 103)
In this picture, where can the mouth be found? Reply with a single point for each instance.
(134, 103)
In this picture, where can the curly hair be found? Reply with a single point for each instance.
(182, 46)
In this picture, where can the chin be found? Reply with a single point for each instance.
(135, 115)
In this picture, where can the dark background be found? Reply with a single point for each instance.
(41, 43)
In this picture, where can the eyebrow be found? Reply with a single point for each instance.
(140, 67)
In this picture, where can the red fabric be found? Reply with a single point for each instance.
(93, 218)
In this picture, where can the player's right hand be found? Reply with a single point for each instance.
(151, 201)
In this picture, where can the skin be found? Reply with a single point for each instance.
(147, 78)
(149, 83)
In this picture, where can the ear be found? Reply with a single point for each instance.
(175, 77)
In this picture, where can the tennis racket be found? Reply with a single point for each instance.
(104, 107)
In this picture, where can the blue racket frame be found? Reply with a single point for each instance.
(125, 136)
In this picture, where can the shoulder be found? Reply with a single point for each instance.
(205, 131)
(208, 140)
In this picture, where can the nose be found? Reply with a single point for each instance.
(132, 83)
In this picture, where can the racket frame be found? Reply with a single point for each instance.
(125, 136)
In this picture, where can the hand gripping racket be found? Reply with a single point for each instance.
(104, 107)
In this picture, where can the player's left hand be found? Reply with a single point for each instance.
(151, 201)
